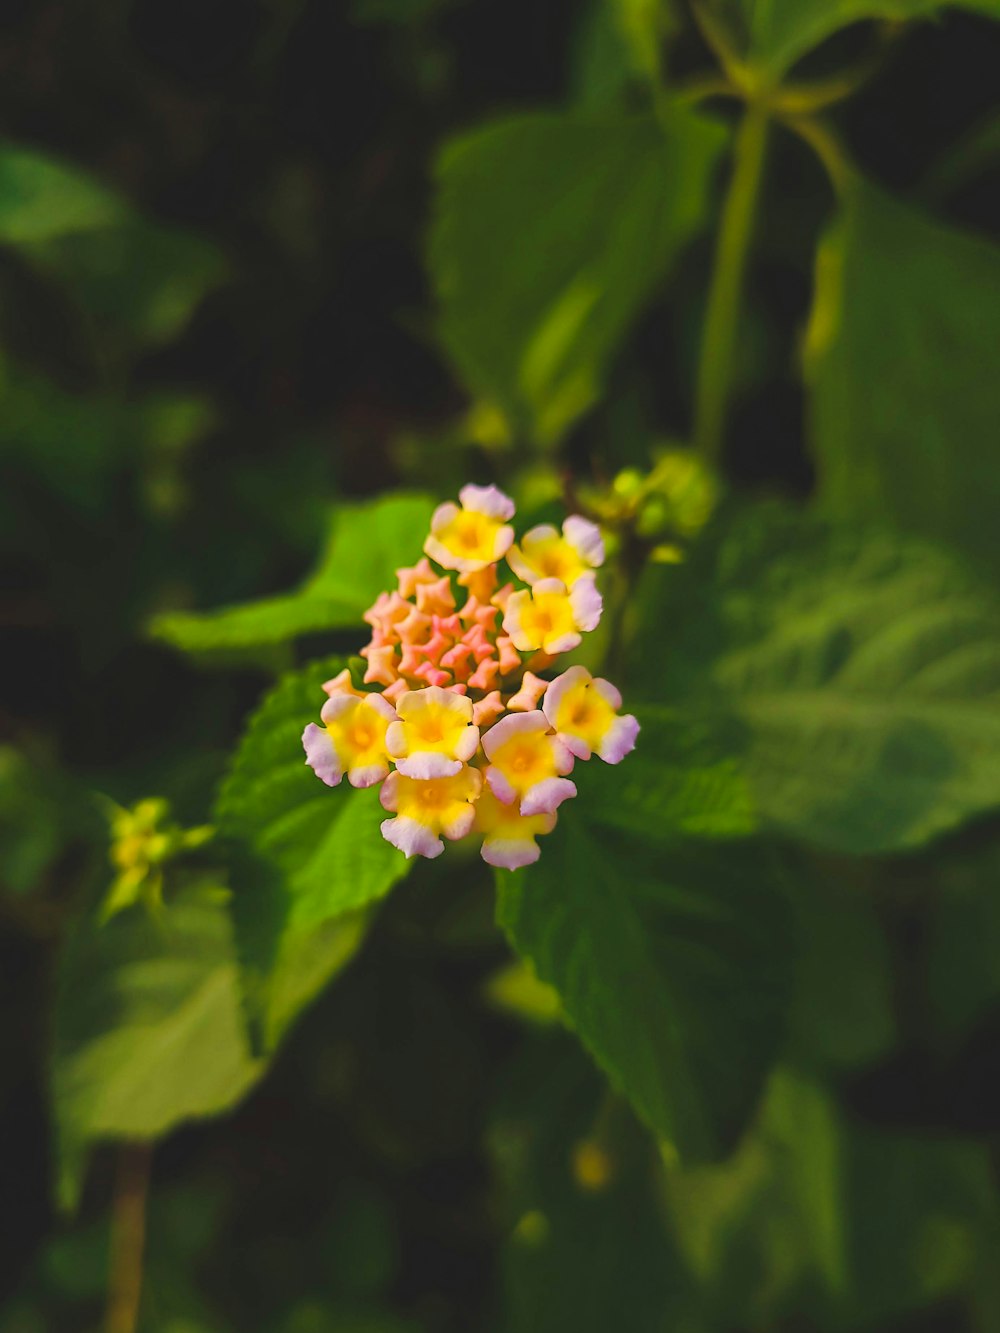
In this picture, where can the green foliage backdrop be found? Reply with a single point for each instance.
(276, 280)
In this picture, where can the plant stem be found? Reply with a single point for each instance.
(128, 1237)
(721, 316)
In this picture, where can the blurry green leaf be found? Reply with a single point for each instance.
(601, 62)
(139, 282)
(578, 1245)
(136, 280)
(35, 824)
(858, 676)
(367, 542)
(313, 857)
(771, 35)
(905, 396)
(41, 198)
(551, 234)
(75, 443)
(671, 960)
(618, 40)
(148, 1031)
(820, 1218)
(643, 26)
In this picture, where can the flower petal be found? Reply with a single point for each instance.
(545, 797)
(321, 757)
(487, 500)
(412, 838)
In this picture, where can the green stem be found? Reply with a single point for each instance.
(128, 1237)
(722, 314)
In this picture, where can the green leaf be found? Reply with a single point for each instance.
(307, 858)
(671, 960)
(858, 674)
(41, 812)
(904, 393)
(826, 1220)
(75, 444)
(135, 280)
(367, 542)
(682, 779)
(552, 232)
(41, 199)
(148, 1031)
(770, 36)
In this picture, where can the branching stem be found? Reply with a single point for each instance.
(722, 313)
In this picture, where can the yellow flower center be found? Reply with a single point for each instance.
(471, 535)
(554, 558)
(359, 735)
(548, 614)
(525, 760)
(434, 801)
(584, 712)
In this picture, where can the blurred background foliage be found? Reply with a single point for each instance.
(275, 275)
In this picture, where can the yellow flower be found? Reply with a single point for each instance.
(434, 735)
(545, 553)
(475, 535)
(427, 809)
(509, 836)
(527, 763)
(584, 714)
(351, 741)
(550, 616)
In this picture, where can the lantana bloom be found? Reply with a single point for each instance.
(508, 836)
(583, 712)
(528, 763)
(458, 717)
(545, 553)
(550, 616)
(475, 535)
(435, 734)
(351, 740)
(428, 808)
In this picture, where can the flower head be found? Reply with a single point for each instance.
(508, 836)
(351, 741)
(551, 616)
(583, 712)
(459, 729)
(474, 535)
(545, 553)
(527, 763)
(434, 734)
(427, 809)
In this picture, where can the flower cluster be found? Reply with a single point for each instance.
(464, 733)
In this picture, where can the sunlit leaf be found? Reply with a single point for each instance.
(859, 673)
(905, 397)
(551, 233)
(148, 1029)
(367, 541)
(307, 858)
